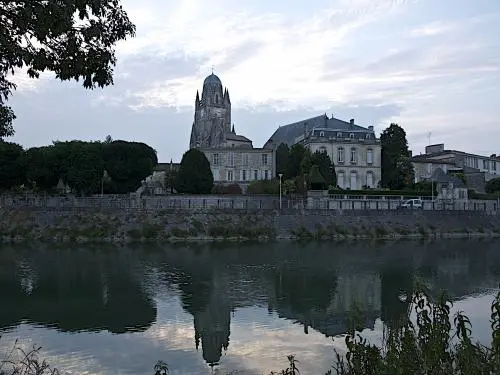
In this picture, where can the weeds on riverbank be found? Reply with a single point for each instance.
(431, 344)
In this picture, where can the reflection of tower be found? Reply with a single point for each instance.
(212, 326)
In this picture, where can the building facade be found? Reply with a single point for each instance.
(232, 157)
(354, 150)
(478, 169)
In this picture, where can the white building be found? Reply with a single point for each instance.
(354, 150)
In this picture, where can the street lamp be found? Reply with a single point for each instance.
(281, 175)
(104, 176)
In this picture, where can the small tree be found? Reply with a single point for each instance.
(316, 179)
(397, 170)
(493, 186)
(194, 175)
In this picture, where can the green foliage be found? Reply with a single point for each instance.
(12, 167)
(74, 39)
(81, 165)
(493, 186)
(295, 157)
(194, 175)
(316, 180)
(393, 193)
(282, 154)
(269, 187)
(397, 170)
(232, 189)
(326, 167)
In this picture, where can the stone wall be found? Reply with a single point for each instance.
(124, 225)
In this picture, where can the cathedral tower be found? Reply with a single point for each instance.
(212, 115)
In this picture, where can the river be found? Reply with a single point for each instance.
(98, 309)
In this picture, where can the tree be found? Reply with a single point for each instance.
(316, 179)
(397, 170)
(12, 168)
(493, 186)
(326, 167)
(75, 39)
(194, 175)
(297, 153)
(282, 156)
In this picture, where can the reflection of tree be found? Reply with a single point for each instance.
(73, 292)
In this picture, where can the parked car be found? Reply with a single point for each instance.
(412, 203)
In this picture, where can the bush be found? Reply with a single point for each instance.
(233, 189)
(406, 193)
(268, 187)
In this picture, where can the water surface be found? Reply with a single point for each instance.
(203, 308)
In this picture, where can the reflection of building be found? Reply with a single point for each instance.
(212, 328)
(232, 157)
(354, 150)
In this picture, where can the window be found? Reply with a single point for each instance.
(369, 156)
(216, 99)
(368, 136)
(321, 134)
(231, 159)
(256, 175)
(476, 163)
(369, 179)
(243, 175)
(230, 175)
(264, 159)
(266, 175)
(215, 173)
(354, 181)
(485, 164)
(340, 180)
(494, 165)
(339, 135)
(322, 149)
(354, 156)
(340, 155)
(351, 135)
(245, 159)
(215, 158)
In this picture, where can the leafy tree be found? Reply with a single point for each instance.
(75, 39)
(282, 156)
(12, 168)
(128, 163)
(397, 170)
(297, 152)
(493, 186)
(42, 168)
(326, 167)
(306, 162)
(316, 180)
(194, 175)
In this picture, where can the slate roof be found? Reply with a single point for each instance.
(235, 137)
(288, 133)
(439, 176)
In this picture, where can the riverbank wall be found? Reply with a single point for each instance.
(129, 225)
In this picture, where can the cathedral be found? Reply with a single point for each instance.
(232, 157)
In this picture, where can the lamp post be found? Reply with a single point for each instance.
(281, 175)
(104, 176)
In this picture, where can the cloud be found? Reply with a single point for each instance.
(413, 62)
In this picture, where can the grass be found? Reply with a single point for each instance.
(433, 343)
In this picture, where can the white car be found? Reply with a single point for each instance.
(412, 203)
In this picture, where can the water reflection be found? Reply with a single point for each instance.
(316, 286)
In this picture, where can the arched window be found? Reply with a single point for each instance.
(339, 135)
(340, 155)
(351, 135)
(369, 179)
(322, 134)
(341, 180)
(354, 155)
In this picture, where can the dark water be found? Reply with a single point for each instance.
(107, 310)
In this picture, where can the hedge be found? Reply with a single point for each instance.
(405, 193)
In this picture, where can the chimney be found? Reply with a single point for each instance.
(370, 128)
(351, 121)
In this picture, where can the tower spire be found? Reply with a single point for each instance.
(233, 130)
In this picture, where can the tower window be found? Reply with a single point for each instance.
(216, 99)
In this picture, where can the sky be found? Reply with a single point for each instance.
(431, 66)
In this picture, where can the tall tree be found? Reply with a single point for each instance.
(12, 168)
(75, 39)
(326, 167)
(282, 155)
(194, 175)
(297, 152)
(397, 170)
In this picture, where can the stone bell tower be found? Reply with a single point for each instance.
(212, 115)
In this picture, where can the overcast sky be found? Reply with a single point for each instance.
(431, 66)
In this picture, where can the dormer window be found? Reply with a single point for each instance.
(321, 134)
(339, 135)
(368, 136)
(351, 135)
